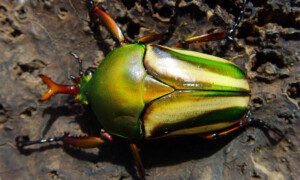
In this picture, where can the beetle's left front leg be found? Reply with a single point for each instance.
(82, 142)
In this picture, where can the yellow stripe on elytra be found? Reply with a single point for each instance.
(197, 54)
(201, 129)
(163, 112)
(185, 73)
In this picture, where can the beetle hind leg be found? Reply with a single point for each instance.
(214, 135)
(244, 123)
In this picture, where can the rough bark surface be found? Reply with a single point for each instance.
(36, 37)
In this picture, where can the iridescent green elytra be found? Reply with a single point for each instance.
(154, 91)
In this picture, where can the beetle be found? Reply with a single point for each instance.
(147, 91)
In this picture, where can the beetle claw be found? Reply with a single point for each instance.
(279, 135)
(21, 140)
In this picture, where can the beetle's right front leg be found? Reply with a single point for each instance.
(81, 142)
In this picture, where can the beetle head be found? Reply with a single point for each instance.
(84, 79)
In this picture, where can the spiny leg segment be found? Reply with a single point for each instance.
(82, 142)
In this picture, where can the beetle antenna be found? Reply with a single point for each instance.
(231, 32)
(80, 63)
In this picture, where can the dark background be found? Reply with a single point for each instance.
(36, 37)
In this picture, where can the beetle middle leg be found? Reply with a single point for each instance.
(164, 36)
(203, 39)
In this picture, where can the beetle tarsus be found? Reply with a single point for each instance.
(91, 4)
(231, 32)
(23, 141)
(265, 127)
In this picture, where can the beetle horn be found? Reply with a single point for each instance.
(57, 88)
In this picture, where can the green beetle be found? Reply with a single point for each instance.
(163, 91)
(152, 91)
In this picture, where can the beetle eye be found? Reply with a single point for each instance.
(89, 73)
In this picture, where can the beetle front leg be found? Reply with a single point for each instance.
(82, 142)
(57, 88)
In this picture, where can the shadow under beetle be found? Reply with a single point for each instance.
(151, 91)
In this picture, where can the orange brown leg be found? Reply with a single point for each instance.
(58, 88)
(246, 122)
(109, 23)
(138, 160)
(214, 135)
(82, 142)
